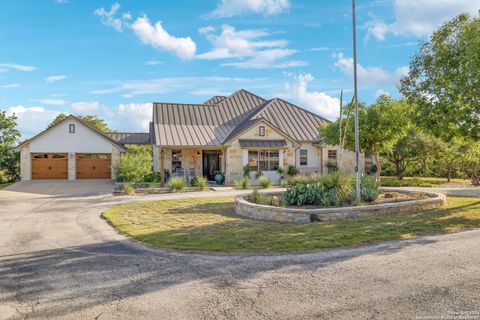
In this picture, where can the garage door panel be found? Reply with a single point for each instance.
(93, 166)
(49, 166)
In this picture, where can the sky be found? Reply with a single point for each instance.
(114, 58)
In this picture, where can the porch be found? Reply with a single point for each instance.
(189, 163)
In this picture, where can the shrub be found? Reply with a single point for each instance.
(244, 183)
(332, 167)
(338, 182)
(370, 188)
(176, 184)
(133, 167)
(299, 179)
(260, 198)
(258, 174)
(152, 177)
(128, 189)
(292, 171)
(246, 171)
(200, 183)
(265, 181)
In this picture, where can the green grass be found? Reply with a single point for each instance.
(4, 185)
(418, 181)
(209, 224)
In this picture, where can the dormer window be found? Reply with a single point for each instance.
(261, 131)
(71, 128)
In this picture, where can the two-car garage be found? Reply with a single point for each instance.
(71, 149)
(55, 166)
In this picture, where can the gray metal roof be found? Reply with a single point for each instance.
(215, 100)
(130, 138)
(252, 143)
(212, 124)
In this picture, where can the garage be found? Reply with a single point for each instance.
(71, 149)
(93, 166)
(49, 166)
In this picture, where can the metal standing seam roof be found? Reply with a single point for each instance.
(257, 143)
(177, 124)
(130, 138)
(215, 100)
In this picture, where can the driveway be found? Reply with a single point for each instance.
(60, 260)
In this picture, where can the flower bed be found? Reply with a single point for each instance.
(245, 208)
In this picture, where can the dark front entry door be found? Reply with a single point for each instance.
(211, 163)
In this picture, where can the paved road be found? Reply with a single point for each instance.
(60, 260)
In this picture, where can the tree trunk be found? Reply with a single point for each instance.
(399, 169)
(376, 158)
(449, 172)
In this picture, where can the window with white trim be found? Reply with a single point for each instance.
(332, 155)
(263, 160)
(71, 128)
(303, 157)
(261, 131)
(176, 160)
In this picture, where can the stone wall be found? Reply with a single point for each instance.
(271, 213)
(25, 163)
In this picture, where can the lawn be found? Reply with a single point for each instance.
(210, 224)
(418, 181)
(4, 185)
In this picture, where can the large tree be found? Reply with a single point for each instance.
(444, 79)
(9, 135)
(381, 125)
(93, 120)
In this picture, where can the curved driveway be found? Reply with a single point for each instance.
(59, 259)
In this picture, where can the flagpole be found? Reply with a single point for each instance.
(357, 136)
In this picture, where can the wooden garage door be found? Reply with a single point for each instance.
(94, 166)
(49, 166)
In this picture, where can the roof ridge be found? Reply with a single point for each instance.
(186, 104)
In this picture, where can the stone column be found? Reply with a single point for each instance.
(72, 173)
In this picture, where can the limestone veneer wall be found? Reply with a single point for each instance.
(261, 212)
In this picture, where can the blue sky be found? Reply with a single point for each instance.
(113, 58)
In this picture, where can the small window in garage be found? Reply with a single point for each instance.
(59, 156)
(40, 156)
(85, 156)
(103, 156)
(71, 128)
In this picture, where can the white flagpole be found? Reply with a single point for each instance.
(357, 138)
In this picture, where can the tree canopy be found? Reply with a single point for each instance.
(93, 120)
(444, 80)
(9, 135)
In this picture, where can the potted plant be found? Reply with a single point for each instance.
(219, 178)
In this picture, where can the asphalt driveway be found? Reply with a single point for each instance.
(59, 259)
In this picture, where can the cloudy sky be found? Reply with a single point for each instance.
(113, 58)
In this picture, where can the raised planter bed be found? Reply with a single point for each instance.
(271, 213)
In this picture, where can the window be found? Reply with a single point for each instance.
(59, 156)
(332, 155)
(263, 160)
(303, 157)
(261, 131)
(176, 160)
(71, 128)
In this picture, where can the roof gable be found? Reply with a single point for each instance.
(82, 122)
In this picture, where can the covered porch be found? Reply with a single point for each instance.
(190, 162)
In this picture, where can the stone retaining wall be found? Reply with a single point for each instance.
(261, 212)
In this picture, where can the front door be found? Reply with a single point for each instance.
(211, 163)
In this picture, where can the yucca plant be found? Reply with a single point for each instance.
(176, 184)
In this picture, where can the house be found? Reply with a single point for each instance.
(223, 134)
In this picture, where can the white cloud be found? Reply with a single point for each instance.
(17, 67)
(166, 85)
(231, 8)
(319, 102)
(420, 17)
(62, 1)
(156, 36)
(108, 17)
(55, 78)
(249, 46)
(153, 62)
(52, 102)
(32, 120)
(369, 76)
(10, 85)
(132, 117)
